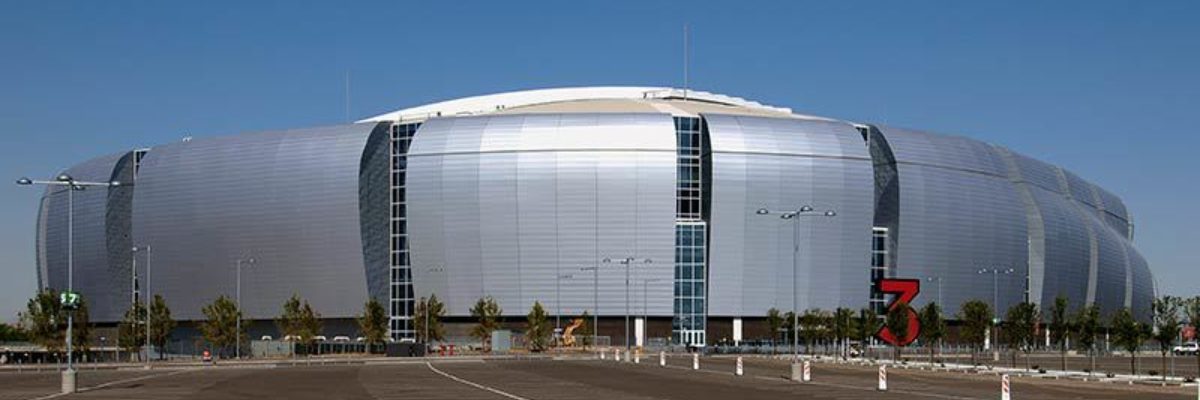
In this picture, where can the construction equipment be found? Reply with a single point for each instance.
(568, 339)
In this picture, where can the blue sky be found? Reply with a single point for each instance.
(1107, 89)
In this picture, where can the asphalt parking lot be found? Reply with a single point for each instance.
(562, 379)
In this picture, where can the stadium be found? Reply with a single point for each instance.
(694, 212)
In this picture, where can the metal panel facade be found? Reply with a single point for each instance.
(104, 286)
(289, 199)
(514, 206)
(783, 164)
(959, 213)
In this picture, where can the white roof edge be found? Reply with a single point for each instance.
(485, 104)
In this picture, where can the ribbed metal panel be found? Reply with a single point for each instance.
(1067, 254)
(1081, 190)
(290, 199)
(1142, 285)
(374, 216)
(1040, 174)
(502, 206)
(783, 164)
(100, 283)
(1112, 265)
(959, 213)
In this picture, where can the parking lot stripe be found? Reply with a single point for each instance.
(473, 384)
(107, 384)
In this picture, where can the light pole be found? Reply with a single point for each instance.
(148, 297)
(995, 302)
(595, 301)
(238, 332)
(72, 185)
(558, 301)
(627, 261)
(937, 279)
(646, 309)
(428, 309)
(794, 217)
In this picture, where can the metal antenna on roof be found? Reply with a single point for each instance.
(685, 61)
(347, 96)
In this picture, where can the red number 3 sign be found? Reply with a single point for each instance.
(904, 290)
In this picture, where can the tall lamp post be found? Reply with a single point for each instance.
(794, 217)
(238, 332)
(428, 309)
(646, 309)
(558, 301)
(148, 297)
(995, 303)
(68, 383)
(627, 261)
(595, 301)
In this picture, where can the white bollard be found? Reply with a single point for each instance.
(695, 360)
(637, 357)
(882, 378)
(807, 371)
(627, 356)
(738, 370)
(617, 355)
(68, 381)
(662, 358)
(1005, 394)
(602, 355)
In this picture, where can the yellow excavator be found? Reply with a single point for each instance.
(568, 340)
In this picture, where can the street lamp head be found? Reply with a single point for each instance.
(251, 261)
(806, 208)
(787, 215)
(78, 187)
(607, 260)
(114, 183)
(983, 270)
(762, 211)
(831, 213)
(1009, 271)
(24, 181)
(64, 178)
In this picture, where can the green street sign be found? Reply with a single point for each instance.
(69, 300)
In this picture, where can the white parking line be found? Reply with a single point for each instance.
(118, 382)
(473, 384)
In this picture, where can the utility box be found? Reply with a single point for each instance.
(501, 341)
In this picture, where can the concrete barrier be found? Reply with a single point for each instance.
(738, 369)
(882, 378)
(695, 360)
(662, 358)
(807, 371)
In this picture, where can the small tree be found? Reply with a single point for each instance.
(1166, 325)
(867, 326)
(1087, 326)
(1129, 335)
(373, 323)
(843, 328)
(1060, 327)
(220, 324)
(161, 324)
(310, 325)
(487, 312)
(933, 327)
(45, 321)
(976, 318)
(897, 323)
(289, 320)
(12, 333)
(1191, 308)
(812, 327)
(131, 331)
(1021, 321)
(538, 331)
(429, 312)
(775, 323)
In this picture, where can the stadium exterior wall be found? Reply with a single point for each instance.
(523, 206)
